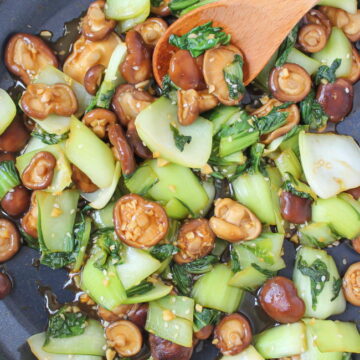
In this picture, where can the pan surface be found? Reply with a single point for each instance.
(23, 313)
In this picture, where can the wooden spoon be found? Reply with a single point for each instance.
(257, 28)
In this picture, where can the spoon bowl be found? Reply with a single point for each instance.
(257, 28)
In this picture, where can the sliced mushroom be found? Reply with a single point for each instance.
(95, 26)
(312, 38)
(290, 82)
(136, 143)
(93, 78)
(186, 71)
(234, 222)
(122, 150)
(215, 61)
(138, 222)
(125, 337)
(137, 65)
(26, 55)
(9, 240)
(336, 99)
(162, 349)
(292, 119)
(98, 120)
(128, 102)
(163, 9)
(15, 137)
(351, 284)
(349, 23)
(233, 334)
(87, 53)
(16, 201)
(30, 219)
(355, 67)
(39, 100)
(82, 181)
(151, 30)
(195, 240)
(192, 103)
(317, 17)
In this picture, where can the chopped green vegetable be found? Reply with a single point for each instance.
(288, 162)
(125, 9)
(82, 236)
(309, 64)
(273, 120)
(9, 177)
(235, 261)
(200, 39)
(7, 110)
(181, 279)
(337, 283)
(347, 5)
(168, 86)
(178, 5)
(47, 138)
(179, 139)
(162, 252)
(317, 234)
(205, 317)
(110, 249)
(234, 77)
(201, 266)
(195, 6)
(140, 289)
(287, 45)
(156, 3)
(312, 113)
(327, 73)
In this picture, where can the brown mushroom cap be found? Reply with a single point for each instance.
(312, 38)
(95, 26)
(355, 67)
(162, 10)
(9, 240)
(87, 53)
(98, 120)
(119, 313)
(234, 222)
(30, 219)
(40, 100)
(336, 99)
(151, 30)
(138, 222)
(295, 209)
(128, 102)
(93, 78)
(349, 23)
(233, 334)
(351, 284)
(125, 337)
(356, 244)
(136, 143)
(82, 181)
(26, 55)
(162, 349)
(290, 82)
(204, 333)
(16, 201)
(15, 137)
(186, 71)
(317, 17)
(215, 60)
(292, 120)
(195, 240)
(137, 65)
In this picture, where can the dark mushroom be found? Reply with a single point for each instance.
(7, 157)
(39, 173)
(16, 201)
(295, 209)
(351, 284)
(336, 99)
(317, 17)
(312, 38)
(40, 100)
(162, 349)
(26, 55)
(137, 65)
(121, 148)
(128, 102)
(99, 120)
(82, 181)
(163, 9)
(233, 334)
(279, 299)
(139, 222)
(93, 78)
(5, 285)
(354, 192)
(290, 82)
(204, 333)
(9, 240)
(151, 30)
(186, 71)
(125, 337)
(95, 26)
(355, 67)
(119, 313)
(356, 244)
(87, 53)
(30, 219)
(138, 315)
(15, 137)
(136, 143)
(195, 240)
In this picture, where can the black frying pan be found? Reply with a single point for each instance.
(23, 313)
